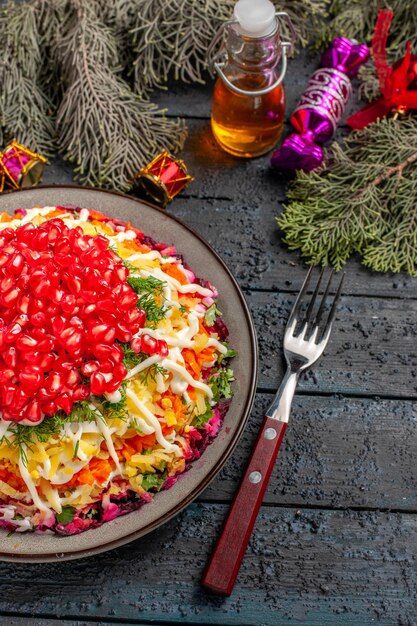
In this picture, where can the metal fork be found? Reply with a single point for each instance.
(305, 339)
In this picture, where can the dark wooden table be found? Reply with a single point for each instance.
(336, 541)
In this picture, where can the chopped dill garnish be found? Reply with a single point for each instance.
(152, 371)
(183, 309)
(151, 299)
(130, 358)
(115, 410)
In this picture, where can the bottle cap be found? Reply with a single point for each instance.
(256, 17)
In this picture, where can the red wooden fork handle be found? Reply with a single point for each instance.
(230, 548)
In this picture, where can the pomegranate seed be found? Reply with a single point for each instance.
(10, 357)
(103, 333)
(30, 378)
(49, 408)
(106, 366)
(63, 260)
(73, 378)
(16, 264)
(119, 371)
(102, 351)
(26, 342)
(39, 333)
(136, 344)
(37, 304)
(123, 333)
(81, 393)
(58, 324)
(46, 344)
(113, 385)
(22, 320)
(9, 374)
(45, 361)
(56, 294)
(90, 367)
(97, 383)
(162, 348)
(8, 393)
(122, 272)
(55, 381)
(21, 398)
(76, 321)
(116, 353)
(89, 309)
(106, 305)
(9, 298)
(149, 344)
(38, 319)
(12, 333)
(33, 412)
(23, 304)
(42, 288)
(4, 258)
(45, 395)
(64, 402)
(7, 283)
(68, 303)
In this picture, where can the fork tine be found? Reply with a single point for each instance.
(296, 305)
(323, 300)
(309, 311)
(328, 325)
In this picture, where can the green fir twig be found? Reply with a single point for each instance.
(364, 201)
(104, 128)
(25, 109)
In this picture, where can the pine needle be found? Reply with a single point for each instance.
(24, 107)
(107, 130)
(364, 201)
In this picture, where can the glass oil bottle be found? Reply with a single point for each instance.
(249, 99)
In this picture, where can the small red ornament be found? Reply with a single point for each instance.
(20, 167)
(163, 178)
(398, 83)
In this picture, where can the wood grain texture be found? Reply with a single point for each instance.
(338, 452)
(372, 349)
(319, 568)
(244, 232)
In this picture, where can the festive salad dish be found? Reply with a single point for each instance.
(114, 369)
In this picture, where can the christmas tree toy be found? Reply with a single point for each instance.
(321, 107)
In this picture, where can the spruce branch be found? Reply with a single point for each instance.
(25, 110)
(107, 130)
(364, 200)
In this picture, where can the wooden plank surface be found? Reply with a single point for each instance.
(319, 568)
(372, 349)
(337, 453)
